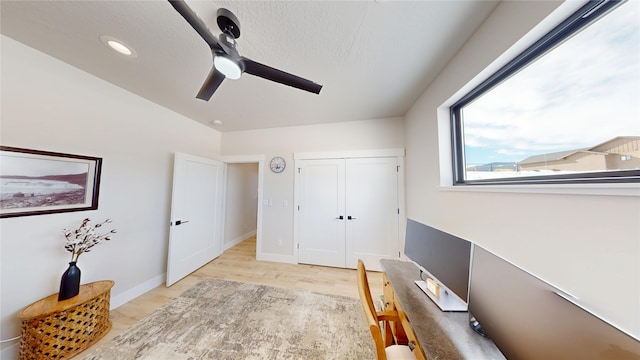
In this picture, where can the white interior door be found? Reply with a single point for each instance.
(321, 232)
(348, 210)
(195, 235)
(372, 211)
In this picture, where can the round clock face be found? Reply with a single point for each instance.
(277, 164)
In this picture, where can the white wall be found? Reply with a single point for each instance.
(569, 240)
(49, 105)
(277, 228)
(588, 245)
(241, 203)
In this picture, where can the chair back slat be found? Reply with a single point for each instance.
(370, 311)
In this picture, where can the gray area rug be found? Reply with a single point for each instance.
(219, 319)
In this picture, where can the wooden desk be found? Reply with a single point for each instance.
(53, 329)
(439, 334)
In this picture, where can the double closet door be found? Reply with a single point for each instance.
(347, 209)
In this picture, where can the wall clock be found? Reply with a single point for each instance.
(277, 164)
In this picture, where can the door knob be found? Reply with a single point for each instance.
(340, 217)
(350, 218)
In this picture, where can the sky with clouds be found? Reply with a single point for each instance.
(581, 94)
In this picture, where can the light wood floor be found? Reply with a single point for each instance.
(239, 264)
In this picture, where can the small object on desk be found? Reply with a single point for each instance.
(475, 325)
(53, 329)
(445, 300)
(433, 287)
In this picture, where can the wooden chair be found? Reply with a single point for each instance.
(385, 347)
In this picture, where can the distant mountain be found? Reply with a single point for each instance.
(494, 166)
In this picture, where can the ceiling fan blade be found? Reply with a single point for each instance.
(279, 76)
(196, 23)
(210, 85)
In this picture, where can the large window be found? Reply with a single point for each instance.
(565, 110)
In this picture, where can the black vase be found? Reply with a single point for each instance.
(70, 282)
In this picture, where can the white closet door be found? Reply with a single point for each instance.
(348, 210)
(372, 211)
(321, 232)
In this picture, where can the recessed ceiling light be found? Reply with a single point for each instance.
(217, 122)
(118, 46)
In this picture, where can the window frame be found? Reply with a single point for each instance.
(584, 16)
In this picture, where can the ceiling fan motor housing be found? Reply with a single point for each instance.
(228, 22)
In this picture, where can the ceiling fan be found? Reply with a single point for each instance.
(227, 61)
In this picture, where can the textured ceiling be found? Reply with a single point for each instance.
(374, 58)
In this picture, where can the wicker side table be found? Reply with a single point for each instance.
(53, 329)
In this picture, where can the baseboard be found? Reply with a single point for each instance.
(123, 298)
(238, 240)
(11, 351)
(287, 259)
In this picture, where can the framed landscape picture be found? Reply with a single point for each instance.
(34, 182)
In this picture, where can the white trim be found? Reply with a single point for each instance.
(238, 240)
(625, 189)
(402, 205)
(238, 159)
(10, 351)
(134, 292)
(296, 203)
(349, 154)
(287, 259)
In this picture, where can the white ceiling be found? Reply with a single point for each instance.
(374, 58)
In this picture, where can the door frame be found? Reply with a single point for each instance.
(248, 159)
(398, 153)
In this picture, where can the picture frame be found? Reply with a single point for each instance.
(35, 182)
